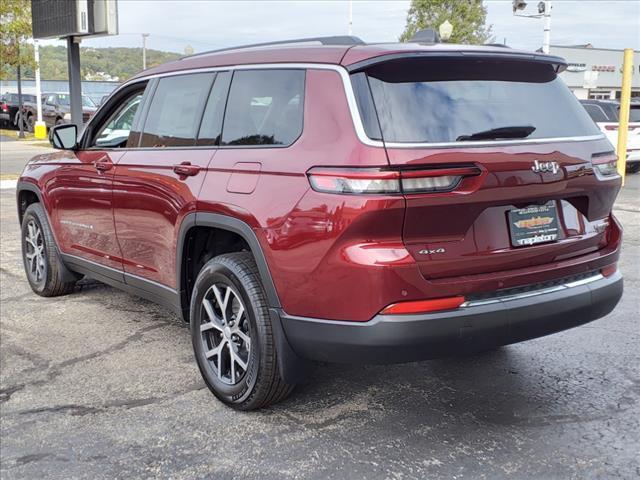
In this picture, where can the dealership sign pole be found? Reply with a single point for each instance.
(73, 20)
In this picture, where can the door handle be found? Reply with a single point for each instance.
(103, 165)
(185, 169)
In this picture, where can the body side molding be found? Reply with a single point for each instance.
(132, 284)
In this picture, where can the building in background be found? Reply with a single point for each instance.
(596, 72)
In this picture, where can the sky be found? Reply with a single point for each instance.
(207, 24)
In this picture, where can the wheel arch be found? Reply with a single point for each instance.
(26, 194)
(197, 220)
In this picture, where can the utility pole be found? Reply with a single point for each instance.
(19, 114)
(144, 50)
(546, 44)
(350, 17)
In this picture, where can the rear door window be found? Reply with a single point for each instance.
(265, 107)
(176, 110)
(444, 100)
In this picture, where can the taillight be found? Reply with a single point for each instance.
(355, 181)
(423, 306)
(605, 165)
(379, 181)
(4, 107)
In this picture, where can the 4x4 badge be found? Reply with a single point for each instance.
(540, 167)
(430, 251)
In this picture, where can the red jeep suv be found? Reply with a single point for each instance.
(335, 201)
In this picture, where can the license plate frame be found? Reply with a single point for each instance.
(533, 225)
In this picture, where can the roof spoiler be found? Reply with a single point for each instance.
(559, 64)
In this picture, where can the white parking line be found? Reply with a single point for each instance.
(8, 184)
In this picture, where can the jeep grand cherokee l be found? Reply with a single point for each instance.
(335, 201)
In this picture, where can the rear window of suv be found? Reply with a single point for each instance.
(431, 100)
(265, 107)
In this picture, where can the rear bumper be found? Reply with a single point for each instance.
(480, 325)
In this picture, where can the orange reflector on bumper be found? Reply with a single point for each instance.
(609, 270)
(423, 306)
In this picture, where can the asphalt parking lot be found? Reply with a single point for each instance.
(100, 384)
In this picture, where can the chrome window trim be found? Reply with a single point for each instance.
(495, 143)
(533, 293)
(353, 107)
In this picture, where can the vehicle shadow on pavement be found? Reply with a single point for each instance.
(508, 387)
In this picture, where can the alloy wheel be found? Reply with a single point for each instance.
(34, 252)
(225, 333)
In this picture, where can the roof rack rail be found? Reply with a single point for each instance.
(335, 40)
(503, 45)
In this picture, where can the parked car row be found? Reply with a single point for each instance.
(56, 109)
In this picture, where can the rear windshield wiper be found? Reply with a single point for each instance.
(516, 131)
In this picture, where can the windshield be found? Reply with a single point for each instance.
(444, 100)
(87, 102)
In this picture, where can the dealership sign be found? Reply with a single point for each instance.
(576, 67)
(603, 68)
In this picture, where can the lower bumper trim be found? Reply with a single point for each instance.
(404, 338)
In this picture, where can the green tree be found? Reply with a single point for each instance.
(15, 21)
(468, 18)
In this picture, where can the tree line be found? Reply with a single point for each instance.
(118, 62)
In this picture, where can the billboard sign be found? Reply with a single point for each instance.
(73, 18)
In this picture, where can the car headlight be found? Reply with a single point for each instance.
(67, 117)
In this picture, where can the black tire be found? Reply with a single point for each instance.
(260, 384)
(50, 282)
(633, 167)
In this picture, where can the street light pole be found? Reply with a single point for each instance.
(547, 27)
(144, 50)
(544, 11)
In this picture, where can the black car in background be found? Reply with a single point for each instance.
(56, 109)
(10, 106)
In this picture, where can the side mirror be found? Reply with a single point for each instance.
(64, 137)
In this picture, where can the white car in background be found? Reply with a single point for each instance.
(606, 114)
